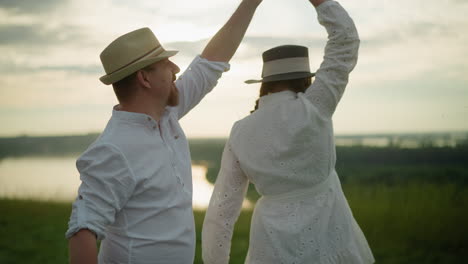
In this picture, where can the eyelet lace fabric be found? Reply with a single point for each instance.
(286, 149)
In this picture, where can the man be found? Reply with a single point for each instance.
(136, 189)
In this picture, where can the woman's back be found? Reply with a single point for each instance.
(285, 145)
(286, 149)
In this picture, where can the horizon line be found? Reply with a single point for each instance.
(363, 134)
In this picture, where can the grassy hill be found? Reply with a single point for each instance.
(412, 203)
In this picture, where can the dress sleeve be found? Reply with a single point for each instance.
(106, 185)
(199, 79)
(224, 209)
(341, 52)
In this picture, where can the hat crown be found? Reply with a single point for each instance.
(128, 48)
(286, 62)
(285, 52)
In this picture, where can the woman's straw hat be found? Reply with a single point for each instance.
(130, 53)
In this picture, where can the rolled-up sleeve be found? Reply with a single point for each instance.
(106, 184)
(199, 79)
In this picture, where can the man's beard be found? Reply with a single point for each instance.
(173, 99)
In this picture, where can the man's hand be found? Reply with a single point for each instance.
(256, 2)
(316, 2)
(225, 43)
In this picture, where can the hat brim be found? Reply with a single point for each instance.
(283, 77)
(138, 65)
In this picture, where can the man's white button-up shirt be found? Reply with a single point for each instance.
(136, 190)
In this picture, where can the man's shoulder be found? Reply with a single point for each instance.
(106, 144)
(100, 148)
(122, 135)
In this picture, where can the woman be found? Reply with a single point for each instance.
(286, 148)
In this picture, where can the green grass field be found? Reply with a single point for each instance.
(412, 223)
(412, 204)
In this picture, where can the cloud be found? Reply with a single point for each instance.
(50, 52)
(420, 30)
(182, 10)
(36, 47)
(39, 35)
(253, 46)
(31, 6)
(12, 68)
(460, 2)
(52, 89)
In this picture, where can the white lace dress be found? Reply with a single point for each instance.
(286, 148)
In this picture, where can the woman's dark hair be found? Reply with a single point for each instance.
(295, 85)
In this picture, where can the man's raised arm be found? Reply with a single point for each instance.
(202, 75)
(224, 44)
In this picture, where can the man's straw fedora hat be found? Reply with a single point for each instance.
(130, 53)
(285, 62)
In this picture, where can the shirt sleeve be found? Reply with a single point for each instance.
(341, 52)
(199, 79)
(224, 209)
(106, 185)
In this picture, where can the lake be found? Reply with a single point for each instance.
(56, 179)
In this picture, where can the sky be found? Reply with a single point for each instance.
(411, 76)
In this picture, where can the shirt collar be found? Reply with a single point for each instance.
(273, 98)
(137, 118)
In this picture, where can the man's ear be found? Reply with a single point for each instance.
(142, 79)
